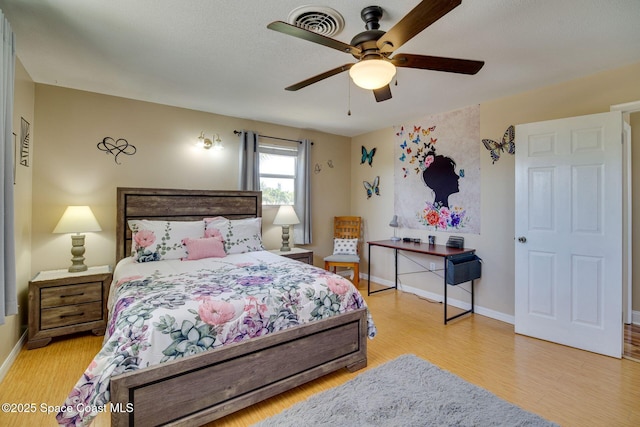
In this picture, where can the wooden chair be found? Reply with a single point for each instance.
(346, 227)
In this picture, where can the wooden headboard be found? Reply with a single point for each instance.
(179, 205)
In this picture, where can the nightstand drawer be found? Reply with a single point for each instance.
(57, 296)
(70, 315)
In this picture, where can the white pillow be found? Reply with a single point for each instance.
(239, 235)
(345, 246)
(160, 240)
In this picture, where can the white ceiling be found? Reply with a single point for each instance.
(218, 55)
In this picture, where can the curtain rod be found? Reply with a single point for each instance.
(237, 132)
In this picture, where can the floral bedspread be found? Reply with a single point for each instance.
(166, 310)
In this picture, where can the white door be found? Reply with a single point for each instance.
(568, 247)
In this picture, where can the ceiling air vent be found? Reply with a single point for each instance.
(319, 19)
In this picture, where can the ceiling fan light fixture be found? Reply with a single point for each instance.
(372, 73)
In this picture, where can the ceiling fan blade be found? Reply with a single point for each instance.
(304, 34)
(437, 63)
(423, 15)
(382, 94)
(319, 77)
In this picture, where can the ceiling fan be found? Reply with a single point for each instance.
(373, 48)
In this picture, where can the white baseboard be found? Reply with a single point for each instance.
(507, 318)
(635, 317)
(6, 365)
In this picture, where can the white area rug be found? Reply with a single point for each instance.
(408, 391)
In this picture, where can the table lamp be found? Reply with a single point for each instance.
(286, 217)
(394, 225)
(77, 219)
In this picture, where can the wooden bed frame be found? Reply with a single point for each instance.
(213, 384)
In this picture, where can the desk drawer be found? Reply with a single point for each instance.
(57, 296)
(70, 315)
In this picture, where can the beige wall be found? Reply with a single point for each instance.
(23, 106)
(495, 243)
(69, 168)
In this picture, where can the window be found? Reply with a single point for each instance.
(278, 174)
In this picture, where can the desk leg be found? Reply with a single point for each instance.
(369, 291)
(472, 297)
(396, 266)
(446, 319)
(369, 272)
(445, 290)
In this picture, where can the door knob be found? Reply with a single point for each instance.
(522, 239)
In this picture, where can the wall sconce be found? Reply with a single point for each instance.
(77, 219)
(206, 143)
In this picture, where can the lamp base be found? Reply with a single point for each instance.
(285, 239)
(395, 239)
(77, 250)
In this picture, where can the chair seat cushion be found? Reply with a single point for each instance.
(342, 258)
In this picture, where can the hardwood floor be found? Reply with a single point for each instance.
(632, 342)
(568, 386)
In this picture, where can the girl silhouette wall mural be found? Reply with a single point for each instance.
(441, 177)
(437, 172)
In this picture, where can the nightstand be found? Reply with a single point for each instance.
(62, 303)
(299, 254)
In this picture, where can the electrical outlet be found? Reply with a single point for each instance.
(432, 266)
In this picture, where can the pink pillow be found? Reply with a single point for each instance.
(212, 232)
(206, 247)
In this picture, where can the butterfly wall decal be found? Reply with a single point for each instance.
(426, 144)
(427, 131)
(372, 188)
(508, 143)
(367, 156)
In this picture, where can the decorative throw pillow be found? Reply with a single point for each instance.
(206, 247)
(240, 235)
(160, 240)
(218, 226)
(345, 246)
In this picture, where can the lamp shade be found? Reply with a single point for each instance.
(77, 219)
(394, 221)
(372, 73)
(286, 216)
(217, 144)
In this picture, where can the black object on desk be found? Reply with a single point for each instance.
(460, 265)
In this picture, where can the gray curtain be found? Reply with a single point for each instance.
(8, 290)
(302, 231)
(249, 161)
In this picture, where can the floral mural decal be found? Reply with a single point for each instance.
(437, 172)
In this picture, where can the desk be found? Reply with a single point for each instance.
(420, 248)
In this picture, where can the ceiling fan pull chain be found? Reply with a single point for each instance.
(349, 95)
